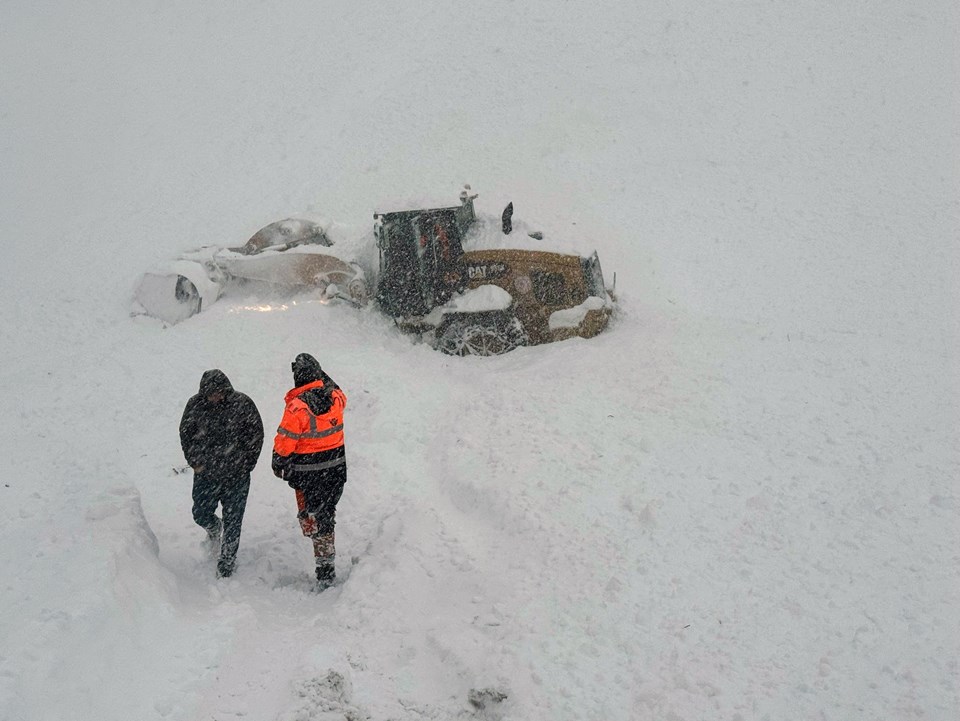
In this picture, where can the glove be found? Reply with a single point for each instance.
(279, 465)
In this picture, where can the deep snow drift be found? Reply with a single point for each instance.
(739, 502)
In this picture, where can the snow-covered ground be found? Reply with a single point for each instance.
(739, 502)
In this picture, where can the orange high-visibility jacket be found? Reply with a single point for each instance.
(302, 432)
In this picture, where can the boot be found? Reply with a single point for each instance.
(225, 567)
(228, 559)
(326, 573)
(324, 552)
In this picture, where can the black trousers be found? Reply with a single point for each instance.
(230, 492)
(320, 498)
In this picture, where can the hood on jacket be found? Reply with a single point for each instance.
(306, 369)
(318, 399)
(214, 381)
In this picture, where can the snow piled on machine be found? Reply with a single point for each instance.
(176, 291)
(472, 300)
(287, 231)
(348, 243)
(307, 251)
(486, 233)
(573, 317)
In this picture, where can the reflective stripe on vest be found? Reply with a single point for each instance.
(318, 466)
(312, 433)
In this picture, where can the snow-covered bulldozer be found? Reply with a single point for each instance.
(294, 253)
(485, 285)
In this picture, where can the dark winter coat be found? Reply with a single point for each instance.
(225, 437)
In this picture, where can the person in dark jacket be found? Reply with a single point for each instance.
(310, 455)
(221, 434)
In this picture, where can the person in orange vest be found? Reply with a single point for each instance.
(310, 455)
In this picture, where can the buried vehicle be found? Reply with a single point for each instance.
(481, 286)
(293, 253)
(468, 284)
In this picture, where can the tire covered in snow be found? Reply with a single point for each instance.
(481, 334)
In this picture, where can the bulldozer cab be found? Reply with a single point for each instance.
(420, 252)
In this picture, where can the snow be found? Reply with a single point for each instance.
(573, 317)
(737, 502)
(472, 300)
(418, 200)
(487, 234)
